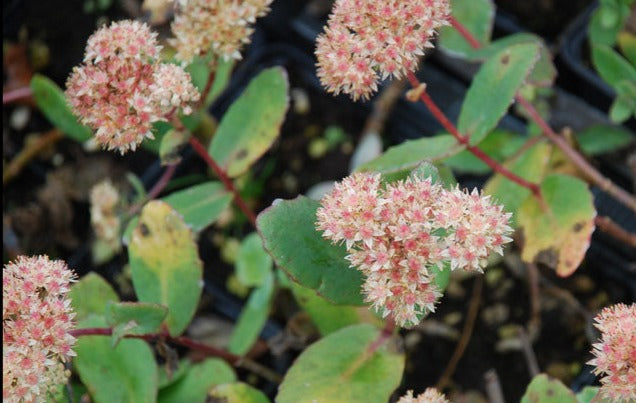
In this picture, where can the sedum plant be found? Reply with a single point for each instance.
(385, 238)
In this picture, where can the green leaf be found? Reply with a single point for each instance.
(126, 373)
(339, 368)
(199, 205)
(477, 16)
(289, 235)
(253, 317)
(253, 264)
(134, 318)
(165, 264)
(90, 295)
(171, 145)
(493, 89)
(52, 102)
(329, 317)
(606, 22)
(611, 66)
(237, 392)
(560, 235)
(498, 144)
(544, 389)
(198, 380)
(601, 139)
(169, 376)
(532, 165)
(544, 71)
(403, 158)
(587, 394)
(252, 123)
(627, 45)
(199, 71)
(622, 108)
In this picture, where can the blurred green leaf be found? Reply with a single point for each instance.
(493, 89)
(611, 66)
(289, 235)
(237, 392)
(547, 390)
(403, 158)
(627, 45)
(199, 71)
(165, 264)
(498, 144)
(90, 295)
(252, 123)
(531, 165)
(253, 264)
(607, 21)
(52, 102)
(198, 380)
(338, 368)
(126, 373)
(601, 139)
(477, 16)
(557, 230)
(136, 318)
(253, 317)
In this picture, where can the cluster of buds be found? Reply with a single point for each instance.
(396, 234)
(122, 88)
(615, 354)
(366, 40)
(36, 320)
(105, 200)
(430, 395)
(218, 26)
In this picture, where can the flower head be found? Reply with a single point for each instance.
(430, 395)
(395, 235)
(615, 354)
(36, 320)
(218, 26)
(122, 89)
(366, 40)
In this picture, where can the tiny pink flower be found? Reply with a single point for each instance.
(395, 235)
(366, 41)
(36, 321)
(615, 354)
(122, 88)
(430, 395)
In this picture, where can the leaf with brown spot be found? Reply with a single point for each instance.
(558, 233)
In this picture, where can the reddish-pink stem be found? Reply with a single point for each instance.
(157, 188)
(203, 153)
(16, 94)
(592, 173)
(465, 141)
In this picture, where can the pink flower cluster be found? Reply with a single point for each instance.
(430, 395)
(395, 235)
(36, 320)
(122, 88)
(366, 40)
(218, 26)
(615, 355)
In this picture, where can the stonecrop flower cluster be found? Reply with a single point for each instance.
(396, 234)
(122, 88)
(36, 320)
(615, 354)
(430, 395)
(366, 40)
(218, 26)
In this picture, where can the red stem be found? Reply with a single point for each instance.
(181, 340)
(156, 189)
(16, 94)
(203, 153)
(465, 141)
(206, 90)
(592, 173)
